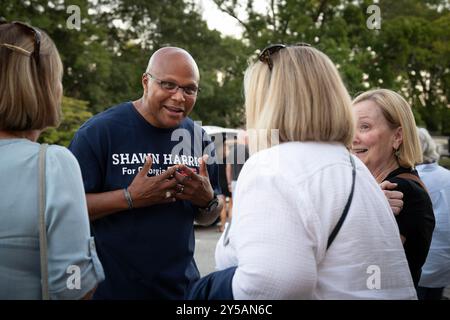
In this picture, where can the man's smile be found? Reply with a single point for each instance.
(173, 109)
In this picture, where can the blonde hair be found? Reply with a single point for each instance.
(303, 97)
(398, 113)
(30, 94)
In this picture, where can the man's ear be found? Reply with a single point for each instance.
(144, 82)
(398, 138)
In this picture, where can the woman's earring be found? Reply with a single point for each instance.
(397, 153)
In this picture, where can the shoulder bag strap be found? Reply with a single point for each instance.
(347, 206)
(410, 176)
(42, 227)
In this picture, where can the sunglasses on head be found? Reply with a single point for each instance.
(36, 35)
(266, 54)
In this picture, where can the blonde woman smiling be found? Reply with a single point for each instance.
(386, 141)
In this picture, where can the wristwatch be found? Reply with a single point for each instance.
(211, 206)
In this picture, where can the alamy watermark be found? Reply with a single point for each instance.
(374, 280)
(74, 280)
(74, 20)
(374, 21)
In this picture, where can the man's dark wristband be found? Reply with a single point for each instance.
(211, 206)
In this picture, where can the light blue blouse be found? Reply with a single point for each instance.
(71, 250)
(436, 270)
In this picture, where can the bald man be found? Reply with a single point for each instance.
(146, 179)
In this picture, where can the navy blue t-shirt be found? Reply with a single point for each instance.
(147, 253)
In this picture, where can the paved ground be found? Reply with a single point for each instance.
(205, 245)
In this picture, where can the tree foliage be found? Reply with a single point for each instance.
(105, 59)
(74, 113)
(410, 53)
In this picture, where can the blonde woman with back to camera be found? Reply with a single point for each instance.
(310, 221)
(386, 141)
(30, 100)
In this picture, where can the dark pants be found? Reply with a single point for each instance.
(424, 293)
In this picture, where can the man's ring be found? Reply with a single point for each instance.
(168, 194)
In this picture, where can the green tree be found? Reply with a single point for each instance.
(74, 113)
(410, 53)
(105, 59)
(413, 52)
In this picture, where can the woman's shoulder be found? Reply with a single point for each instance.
(409, 186)
(296, 162)
(60, 152)
(443, 177)
(407, 180)
(58, 156)
(25, 148)
(415, 196)
(311, 154)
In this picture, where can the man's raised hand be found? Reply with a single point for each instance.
(147, 191)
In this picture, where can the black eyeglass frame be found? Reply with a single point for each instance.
(266, 54)
(177, 86)
(37, 37)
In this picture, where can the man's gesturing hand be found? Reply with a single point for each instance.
(394, 197)
(194, 187)
(146, 191)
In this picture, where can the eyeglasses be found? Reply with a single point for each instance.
(266, 54)
(172, 87)
(37, 39)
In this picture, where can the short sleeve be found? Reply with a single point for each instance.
(73, 266)
(90, 163)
